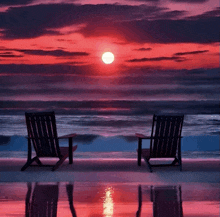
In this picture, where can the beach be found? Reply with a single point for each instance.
(107, 170)
(109, 187)
(104, 177)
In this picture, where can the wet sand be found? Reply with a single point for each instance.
(107, 199)
(108, 187)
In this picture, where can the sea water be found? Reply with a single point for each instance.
(113, 135)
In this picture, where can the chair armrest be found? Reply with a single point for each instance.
(67, 136)
(141, 136)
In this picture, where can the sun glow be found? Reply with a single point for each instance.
(108, 57)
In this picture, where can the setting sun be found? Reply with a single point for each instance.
(108, 57)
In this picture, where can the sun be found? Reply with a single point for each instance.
(108, 57)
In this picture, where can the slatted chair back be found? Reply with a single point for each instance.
(166, 136)
(42, 131)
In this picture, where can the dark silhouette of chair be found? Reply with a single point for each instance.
(138, 213)
(69, 190)
(165, 141)
(167, 201)
(42, 133)
(43, 200)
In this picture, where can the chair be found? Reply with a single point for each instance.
(165, 141)
(42, 133)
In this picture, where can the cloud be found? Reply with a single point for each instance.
(139, 24)
(56, 53)
(213, 13)
(177, 59)
(143, 49)
(36, 20)
(191, 52)
(15, 2)
(171, 14)
(190, 1)
(60, 82)
(9, 55)
(43, 70)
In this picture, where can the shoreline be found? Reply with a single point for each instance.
(116, 171)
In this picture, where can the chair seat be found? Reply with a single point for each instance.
(145, 153)
(65, 150)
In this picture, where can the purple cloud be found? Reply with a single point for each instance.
(156, 59)
(139, 24)
(191, 52)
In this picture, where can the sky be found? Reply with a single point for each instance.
(165, 51)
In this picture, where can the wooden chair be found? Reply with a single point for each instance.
(42, 133)
(165, 141)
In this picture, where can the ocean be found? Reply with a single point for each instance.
(112, 136)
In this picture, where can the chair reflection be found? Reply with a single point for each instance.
(42, 201)
(167, 201)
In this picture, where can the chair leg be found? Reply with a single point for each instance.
(180, 163)
(38, 161)
(29, 162)
(147, 161)
(175, 161)
(59, 162)
(139, 151)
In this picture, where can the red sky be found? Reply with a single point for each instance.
(164, 50)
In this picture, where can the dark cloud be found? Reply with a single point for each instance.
(9, 55)
(190, 1)
(191, 86)
(68, 82)
(171, 14)
(160, 31)
(191, 52)
(145, 0)
(143, 49)
(177, 59)
(56, 53)
(214, 13)
(131, 107)
(44, 70)
(15, 2)
(129, 23)
(37, 20)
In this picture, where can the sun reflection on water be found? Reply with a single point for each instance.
(108, 204)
